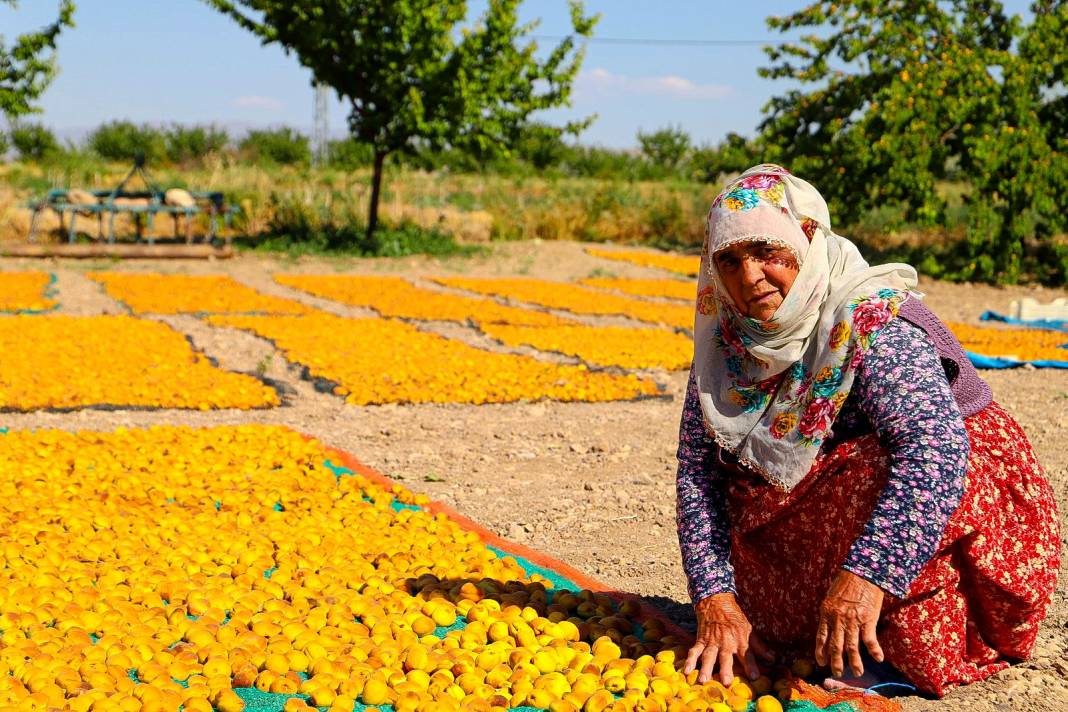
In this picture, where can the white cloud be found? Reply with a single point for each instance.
(261, 103)
(602, 81)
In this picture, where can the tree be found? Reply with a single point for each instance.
(28, 66)
(666, 148)
(283, 146)
(34, 142)
(733, 154)
(906, 89)
(126, 141)
(413, 77)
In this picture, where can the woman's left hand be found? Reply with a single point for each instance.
(849, 614)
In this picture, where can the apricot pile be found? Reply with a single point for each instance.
(25, 292)
(575, 298)
(152, 293)
(165, 569)
(602, 345)
(665, 288)
(1018, 344)
(396, 297)
(385, 361)
(681, 264)
(71, 362)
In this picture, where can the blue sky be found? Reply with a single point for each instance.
(162, 61)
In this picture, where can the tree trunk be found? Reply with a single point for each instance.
(376, 191)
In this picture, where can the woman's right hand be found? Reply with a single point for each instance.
(723, 634)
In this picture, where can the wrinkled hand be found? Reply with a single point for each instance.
(723, 634)
(848, 615)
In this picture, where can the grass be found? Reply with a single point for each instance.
(350, 240)
(298, 211)
(280, 204)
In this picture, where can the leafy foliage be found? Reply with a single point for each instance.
(665, 148)
(125, 141)
(412, 76)
(283, 146)
(34, 142)
(191, 143)
(28, 66)
(733, 154)
(912, 92)
(349, 154)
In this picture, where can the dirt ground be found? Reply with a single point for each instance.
(590, 484)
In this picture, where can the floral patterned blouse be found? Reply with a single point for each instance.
(901, 393)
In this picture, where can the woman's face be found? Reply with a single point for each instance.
(758, 276)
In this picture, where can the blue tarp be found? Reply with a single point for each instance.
(981, 361)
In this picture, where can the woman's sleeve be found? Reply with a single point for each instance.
(701, 511)
(902, 389)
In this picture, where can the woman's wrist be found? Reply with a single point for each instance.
(724, 600)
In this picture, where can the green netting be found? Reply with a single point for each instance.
(338, 470)
(559, 581)
(442, 630)
(806, 706)
(256, 701)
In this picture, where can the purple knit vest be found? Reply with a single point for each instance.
(970, 391)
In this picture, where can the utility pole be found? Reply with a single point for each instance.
(321, 130)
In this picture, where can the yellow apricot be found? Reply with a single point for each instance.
(375, 692)
(228, 701)
(767, 703)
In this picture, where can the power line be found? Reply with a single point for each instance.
(654, 41)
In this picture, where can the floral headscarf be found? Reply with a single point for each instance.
(770, 390)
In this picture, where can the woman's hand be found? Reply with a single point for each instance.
(848, 615)
(723, 633)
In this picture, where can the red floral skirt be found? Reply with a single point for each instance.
(975, 607)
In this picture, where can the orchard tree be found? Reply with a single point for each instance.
(665, 148)
(28, 65)
(414, 76)
(733, 154)
(905, 91)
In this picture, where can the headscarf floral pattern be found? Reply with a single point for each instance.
(770, 389)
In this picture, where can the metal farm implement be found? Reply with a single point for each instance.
(143, 206)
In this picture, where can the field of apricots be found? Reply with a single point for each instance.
(397, 485)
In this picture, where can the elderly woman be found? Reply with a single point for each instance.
(845, 481)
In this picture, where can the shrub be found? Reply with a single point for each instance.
(666, 148)
(732, 155)
(124, 141)
(348, 154)
(296, 227)
(190, 143)
(34, 142)
(541, 146)
(283, 146)
(597, 162)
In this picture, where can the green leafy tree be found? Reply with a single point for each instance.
(665, 148)
(903, 91)
(28, 65)
(733, 154)
(414, 76)
(34, 142)
(283, 146)
(191, 143)
(126, 141)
